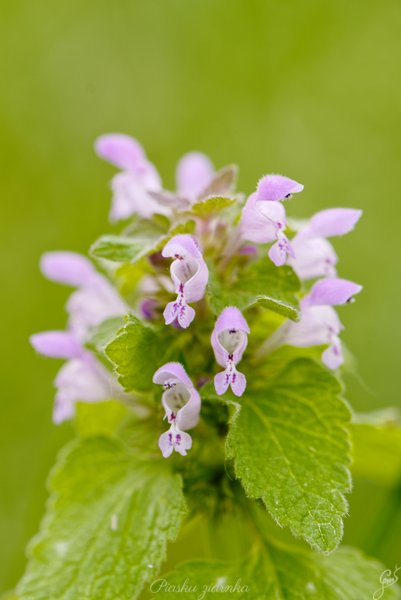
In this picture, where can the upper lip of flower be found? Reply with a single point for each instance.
(277, 187)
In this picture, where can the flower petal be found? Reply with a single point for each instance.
(166, 444)
(314, 257)
(186, 315)
(56, 344)
(171, 370)
(332, 291)
(188, 415)
(238, 383)
(67, 267)
(174, 440)
(277, 187)
(182, 245)
(89, 306)
(84, 381)
(170, 312)
(261, 220)
(194, 173)
(333, 221)
(63, 409)
(184, 444)
(280, 250)
(231, 318)
(121, 150)
(221, 383)
(333, 355)
(180, 311)
(315, 328)
(132, 195)
(194, 288)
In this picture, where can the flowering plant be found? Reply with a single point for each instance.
(213, 314)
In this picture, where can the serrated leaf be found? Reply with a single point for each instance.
(136, 352)
(260, 283)
(104, 333)
(290, 446)
(211, 205)
(127, 249)
(275, 573)
(147, 240)
(108, 522)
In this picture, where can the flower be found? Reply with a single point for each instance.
(95, 300)
(133, 187)
(314, 256)
(319, 323)
(181, 403)
(263, 218)
(81, 378)
(229, 340)
(194, 174)
(190, 276)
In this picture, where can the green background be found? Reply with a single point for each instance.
(310, 89)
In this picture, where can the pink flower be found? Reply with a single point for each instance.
(81, 378)
(195, 172)
(263, 218)
(319, 323)
(229, 340)
(190, 276)
(314, 256)
(95, 300)
(133, 187)
(181, 403)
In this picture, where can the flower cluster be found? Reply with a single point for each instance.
(225, 241)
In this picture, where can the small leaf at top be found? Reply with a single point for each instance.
(222, 183)
(210, 205)
(260, 283)
(146, 239)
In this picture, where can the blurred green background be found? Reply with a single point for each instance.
(310, 89)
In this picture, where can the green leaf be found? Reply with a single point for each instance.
(261, 283)
(290, 446)
(125, 249)
(108, 522)
(146, 239)
(104, 333)
(211, 205)
(278, 573)
(136, 352)
(222, 183)
(377, 448)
